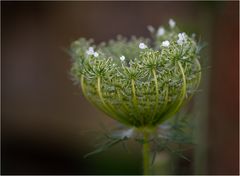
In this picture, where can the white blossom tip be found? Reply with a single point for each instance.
(171, 23)
(182, 38)
(90, 51)
(165, 43)
(160, 31)
(142, 46)
(95, 54)
(122, 58)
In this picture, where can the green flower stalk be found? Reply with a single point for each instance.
(139, 82)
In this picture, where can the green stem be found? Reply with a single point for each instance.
(134, 93)
(135, 101)
(146, 153)
(176, 106)
(108, 109)
(83, 86)
(157, 93)
(100, 92)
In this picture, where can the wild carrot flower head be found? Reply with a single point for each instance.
(138, 82)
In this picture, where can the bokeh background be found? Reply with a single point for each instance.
(46, 124)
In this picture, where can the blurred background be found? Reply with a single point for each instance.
(46, 124)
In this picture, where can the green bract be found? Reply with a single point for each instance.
(138, 87)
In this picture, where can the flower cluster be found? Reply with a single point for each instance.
(91, 51)
(182, 38)
(138, 82)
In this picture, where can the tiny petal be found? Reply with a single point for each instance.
(181, 38)
(160, 31)
(171, 23)
(90, 51)
(96, 54)
(142, 46)
(122, 58)
(165, 43)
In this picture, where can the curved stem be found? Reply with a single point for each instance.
(198, 78)
(135, 101)
(175, 106)
(83, 86)
(163, 108)
(134, 92)
(105, 106)
(100, 92)
(146, 153)
(125, 108)
(157, 93)
(108, 108)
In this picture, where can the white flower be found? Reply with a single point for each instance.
(182, 38)
(96, 54)
(90, 51)
(171, 23)
(165, 43)
(142, 46)
(122, 58)
(160, 31)
(150, 28)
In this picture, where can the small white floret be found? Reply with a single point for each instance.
(165, 43)
(122, 58)
(182, 38)
(90, 51)
(142, 46)
(95, 54)
(160, 31)
(171, 23)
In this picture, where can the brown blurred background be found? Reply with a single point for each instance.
(45, 119)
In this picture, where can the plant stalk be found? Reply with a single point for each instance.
(146, 153)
